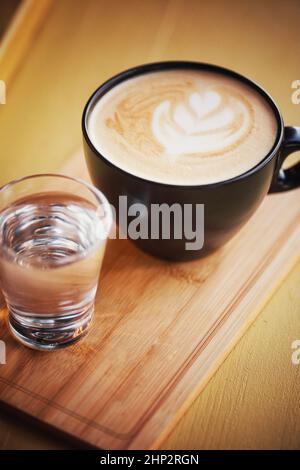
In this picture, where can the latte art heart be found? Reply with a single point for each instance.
(205, 124)
(183, 127)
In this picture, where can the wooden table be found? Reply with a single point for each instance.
(54, 64)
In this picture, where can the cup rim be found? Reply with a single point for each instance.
(100, 198)
(173, 65)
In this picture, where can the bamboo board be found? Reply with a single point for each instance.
(99, 390)
(160, 331)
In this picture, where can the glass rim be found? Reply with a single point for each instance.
(100, 198)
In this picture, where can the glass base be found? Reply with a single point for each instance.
(49, 333)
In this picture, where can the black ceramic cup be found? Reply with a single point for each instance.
(227, 204)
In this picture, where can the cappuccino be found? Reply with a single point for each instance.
(183, 127)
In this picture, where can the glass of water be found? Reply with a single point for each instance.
(53, 232)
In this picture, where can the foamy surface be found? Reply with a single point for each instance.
(183, 127)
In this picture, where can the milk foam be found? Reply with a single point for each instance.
(183, 127)
(201, 125)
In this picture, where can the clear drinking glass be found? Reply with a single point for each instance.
(53, 232)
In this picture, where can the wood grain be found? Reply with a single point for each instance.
(93, 38)
(150, 351)
(252, 402)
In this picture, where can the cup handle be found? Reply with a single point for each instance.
(289, 178)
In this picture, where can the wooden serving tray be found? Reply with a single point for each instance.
(160, 331)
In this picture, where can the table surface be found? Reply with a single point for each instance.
(253, 399)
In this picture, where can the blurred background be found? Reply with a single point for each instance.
(53, 54)
(7, 9)
(71, 46)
